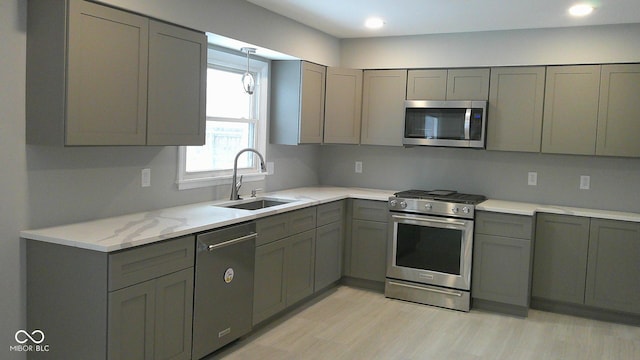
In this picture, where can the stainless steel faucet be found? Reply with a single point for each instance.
(235, 184)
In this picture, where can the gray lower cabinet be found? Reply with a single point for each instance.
(152, 320)
(613, 266)
(329, 244)
(502, 261)
(284, 274)
(560, 258)
(584, 261)
(284, 261)
(130, 304)
(367, 245)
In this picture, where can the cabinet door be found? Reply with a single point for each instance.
(560, 257)
(328, 255)
(177, 85)
(516, 99)
(383, 95)
(427, 84)
(269, 280)
(330, 212)
(619, 106)
(107, 76)
(343, 106)
(368, 250)
(132, 322)
(312, 103)
(468, 84)
(501, 269)
(174, 310)
(614, 265)
(300, 266)
(571, 109)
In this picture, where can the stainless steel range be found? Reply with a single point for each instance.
(430, 247)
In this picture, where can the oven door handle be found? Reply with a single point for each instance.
(427, 221)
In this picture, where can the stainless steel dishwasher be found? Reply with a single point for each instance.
(223, 296)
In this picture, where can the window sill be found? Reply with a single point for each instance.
(186, 184)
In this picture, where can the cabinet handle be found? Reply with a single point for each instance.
(231, 242)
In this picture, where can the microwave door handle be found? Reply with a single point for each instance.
(467, 124)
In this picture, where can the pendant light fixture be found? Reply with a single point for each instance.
(248, 82)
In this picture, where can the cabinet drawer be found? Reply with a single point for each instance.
(508, 225)
(331, 212)
(133, 266)
(272, 228)
(370, 210)
(302, 220)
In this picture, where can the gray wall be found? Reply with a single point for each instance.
(615, 182)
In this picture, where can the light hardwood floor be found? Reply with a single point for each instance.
(350, 323)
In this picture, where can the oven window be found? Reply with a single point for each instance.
(429, 248)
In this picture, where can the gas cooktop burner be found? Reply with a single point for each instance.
(443, 195)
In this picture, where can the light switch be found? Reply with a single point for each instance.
(271, 168)
(533, 178)
(146, 177)
(585, 182)
(358, 167)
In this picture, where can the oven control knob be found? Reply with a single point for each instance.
(428, 206)
(465, 210)
(454, 210)
(403, 204)
(393, 203)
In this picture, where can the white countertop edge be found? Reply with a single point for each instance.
(530, 209)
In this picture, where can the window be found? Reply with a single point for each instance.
(235, 120)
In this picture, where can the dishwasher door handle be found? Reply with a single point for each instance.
(231, 242)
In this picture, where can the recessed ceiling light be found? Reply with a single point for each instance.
(374, 23)
(580, 10)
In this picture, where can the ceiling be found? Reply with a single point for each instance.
(345, 18)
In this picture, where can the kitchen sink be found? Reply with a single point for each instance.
(257, 204)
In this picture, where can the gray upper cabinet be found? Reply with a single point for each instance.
(383, 96)
(613, 266)
(427, 84)
(343, 106)
(87, 77)
(571, 109)
(177, 87)
(297, 102)
(619, 106)
(468, 84)
(452, 84)
(560, 258)
(516, 98)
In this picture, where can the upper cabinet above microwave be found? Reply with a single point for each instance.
(451, 84)
(97, 75)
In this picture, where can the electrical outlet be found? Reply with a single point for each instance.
(532, 179)
(271, 168)
(585, 182)
(358, 167)
(145, 177)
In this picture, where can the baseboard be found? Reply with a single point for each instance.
(376, 286)
(585, 311)
(498, 307)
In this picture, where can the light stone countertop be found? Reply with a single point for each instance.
(131, 230)
(519, 208)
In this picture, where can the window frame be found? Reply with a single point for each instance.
(221, 58)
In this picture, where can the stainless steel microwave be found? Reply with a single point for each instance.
(445, 123)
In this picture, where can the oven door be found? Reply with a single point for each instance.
(430, 250)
